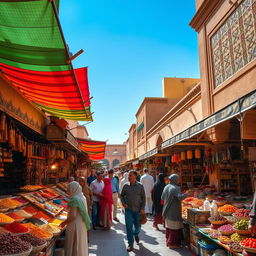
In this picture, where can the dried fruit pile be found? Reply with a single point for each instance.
(34, 241)
(10, 244)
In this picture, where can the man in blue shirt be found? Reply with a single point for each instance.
(92, 177)
(115, 190)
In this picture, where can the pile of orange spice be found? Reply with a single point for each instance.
(227, 208)
(15, 216)
(40, 215)
(38, 232)
(9, 203)
(5, 219)
(30, 209)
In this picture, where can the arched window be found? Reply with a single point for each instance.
(105, 163)
(115, 163)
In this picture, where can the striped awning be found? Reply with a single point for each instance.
(34, 58)
(94, 149)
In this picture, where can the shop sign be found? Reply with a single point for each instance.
(149, 154)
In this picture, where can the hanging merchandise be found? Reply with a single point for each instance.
(183, 156)
(176, 158)
(189, 154)
(197, 153)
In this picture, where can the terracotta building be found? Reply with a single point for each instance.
(115, 154)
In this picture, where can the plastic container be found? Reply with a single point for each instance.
(214, 209)
(207, 205)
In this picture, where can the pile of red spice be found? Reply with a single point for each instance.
(16, 228)
(15, 216)
(40, 215)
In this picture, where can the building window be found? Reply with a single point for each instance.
(234, 44)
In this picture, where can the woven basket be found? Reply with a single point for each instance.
(37, 249)
(219, 222)
(243, 232)
(227, 233)
(252, 250)
(224, 242)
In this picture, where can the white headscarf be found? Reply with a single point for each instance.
(123, 181)
(75, 189)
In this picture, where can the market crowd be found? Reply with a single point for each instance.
(94, 202)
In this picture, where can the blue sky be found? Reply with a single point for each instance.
(129, 47)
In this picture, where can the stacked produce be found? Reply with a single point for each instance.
(38, 232)
(236, 247)
(249, 243)
(224, 239)
(33, 240)
(241, 225)
(227, 209)
(242, 214)
(237, 238)
(16, 228)
(217, 220)
(10, 244)
(5, 219)
(226, 229)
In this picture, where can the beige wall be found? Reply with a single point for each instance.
(115, 152)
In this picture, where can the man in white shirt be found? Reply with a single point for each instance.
(148, 182)
(96, 188)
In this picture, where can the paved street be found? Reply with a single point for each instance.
(113, 242)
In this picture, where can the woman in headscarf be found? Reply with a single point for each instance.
(87, 193)
(78, 222)
(156, 194)
(123, 181)
(172, 198)
(106, 202)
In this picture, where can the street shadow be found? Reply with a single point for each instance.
(143, 251)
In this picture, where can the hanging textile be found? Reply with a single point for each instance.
(94, 149)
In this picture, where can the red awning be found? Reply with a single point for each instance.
(94, 149)
(58, 92)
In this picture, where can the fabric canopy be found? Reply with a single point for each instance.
(55, 92)
(94, 149)
(34, 55)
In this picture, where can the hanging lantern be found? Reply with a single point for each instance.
(183, 156)
(189, 154)
(176, 158)
(197, 153)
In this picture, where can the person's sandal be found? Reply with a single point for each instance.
(129, 248)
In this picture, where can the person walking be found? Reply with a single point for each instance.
(156, 198)
(123, 181)
(92, 177)
(148, 182)
(96, 188)
(106, 202)
(133, 200)
(115, 191)
(172, 198)
(78, 222)
(87, 193)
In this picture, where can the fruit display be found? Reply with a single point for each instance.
(226, 229)
(236, 247)
(249, 244)
(241, 225)
(217, 220)
(237, 238)
(242, 214)
(16, 228)
(231, 219)
(12, 245)
(4, 219)
(224, 239)
(215, 234)
(227, 209)
(33, 240)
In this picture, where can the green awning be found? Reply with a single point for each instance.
(140, 127)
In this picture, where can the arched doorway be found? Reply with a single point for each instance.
(115, 163)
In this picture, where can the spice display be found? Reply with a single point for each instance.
(15, 216)
(24, 214)
(227, 208)
(33, 240)
(38, 232)
(242, 214)
(10, 244)
(36, 222)
(31, 187)
(241, 225)
(9, 203)
(56, 222)
(224, 239)
(237, 238)
(226, 229)
(16, 228)
(249, 243)
(20, 200)
(40, 215)
(236, 247)
(5, 218)
(30, 209)
(50, 228)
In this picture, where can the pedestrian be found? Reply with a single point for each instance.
(123, 181)
(96, 188)
(156, 198)
(78, 222)
(148, 182)
(172, 198)
(138, 174)
(115, 191)
(87, 193)
(106, 202)
(70, 179)
(133, 200)
(91, 177)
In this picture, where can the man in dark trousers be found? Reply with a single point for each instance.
(133, 200)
